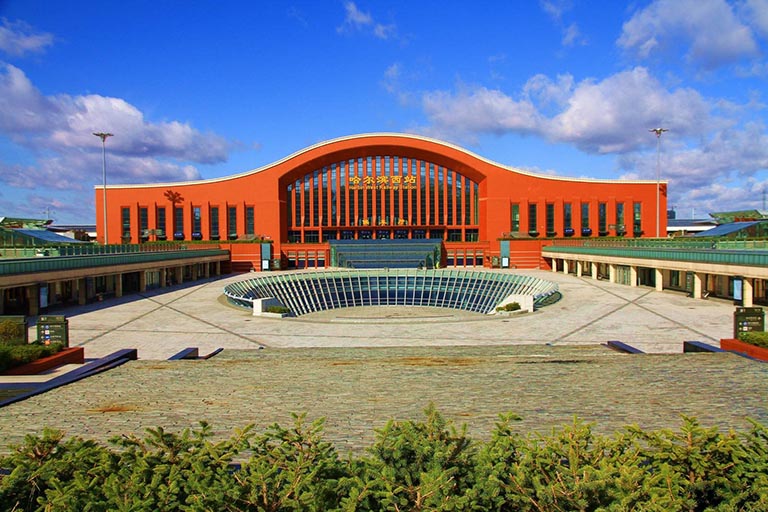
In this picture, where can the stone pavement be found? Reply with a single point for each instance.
(360, 367)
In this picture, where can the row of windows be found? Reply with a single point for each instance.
(382, 191)
(312, 236)
(177, 230)
(619, 226)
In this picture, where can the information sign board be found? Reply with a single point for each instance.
(747, 320)
(53, 329)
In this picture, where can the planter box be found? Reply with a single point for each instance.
(739, 346)
(74, 355)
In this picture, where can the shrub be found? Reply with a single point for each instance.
(757, 338)
(512, 306)
(278, 309)
(17, 355)
(11, 332)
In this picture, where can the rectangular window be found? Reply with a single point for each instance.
(472, 235)
(567, 216)
(143, 223)
(515, 218)
(294, 237)
(178, 228)
(311, 237)
(550, 218)
(213, 226)
(232, 223)
(250, 221)
(454, 235)
(637, 225)
(197, 223)
(437, 234)
(125, 215)
(330, 234)
(585, 228)
(620, 228)
(160, 226)
(602, 219)
(289, 206)
(532, 219)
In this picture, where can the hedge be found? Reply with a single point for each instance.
(757, 338)
(412, 465)
(12, 356)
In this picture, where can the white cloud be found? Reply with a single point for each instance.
(63, 122)
(18, 38)
(357, 20)
(710, 32)
(755, 14)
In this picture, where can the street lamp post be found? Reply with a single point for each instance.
(103, 136)
(658, 132)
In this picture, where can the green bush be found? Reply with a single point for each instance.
(12, 356)
(278, 309)
(512, 306)
(413, 465)
(757, 338)
(11, 332)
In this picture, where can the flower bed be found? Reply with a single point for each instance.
(735, 345)
(74, 355)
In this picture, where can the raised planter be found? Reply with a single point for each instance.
(739, 346)
(73, 355)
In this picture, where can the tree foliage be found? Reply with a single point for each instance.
(412, 465)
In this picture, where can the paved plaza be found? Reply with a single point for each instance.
(360, 367)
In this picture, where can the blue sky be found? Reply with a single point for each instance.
(206, 89)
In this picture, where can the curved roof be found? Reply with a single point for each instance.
(325, 152)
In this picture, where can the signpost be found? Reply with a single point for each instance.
(748, 320)
(53, 329)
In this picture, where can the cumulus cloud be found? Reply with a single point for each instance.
(62, 123)
(18, 38)
(709, 30)
(356, 20)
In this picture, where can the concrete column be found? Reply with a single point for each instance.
(207, 270)
(2, 301)
(142, 281)
(179, 274)
(658, 277)
(118, 278)
(163, 277)
(594, 270)
(633, 276)
(82, 292)
(747, 293)
(698, 278)
(612, 272)
(578, 268)
(565, 266)
(218, 268)
(194, 271)
(33, 299)
(554, 265)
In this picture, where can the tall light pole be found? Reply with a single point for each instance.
(103, 136)
(658, 132)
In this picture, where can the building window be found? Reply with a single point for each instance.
(602, 219)
(437, 234)
(178, 228)
(568, 219)
(515, 218)
(454, 235)
(197, 223)
(637, 225)
(214, 222)
(550, 218)
(232, 222)
(311, 237)
(249, 221)
(330, 234)
(586, 230)
(143, 223)
(294, 237)
(532, 219)
(472, 235)
(160, 226)
(620, 228)
(125, 215)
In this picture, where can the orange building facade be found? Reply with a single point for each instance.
(383, 186)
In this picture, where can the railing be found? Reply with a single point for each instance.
(749, 258)
(58, 263)
(308, 292)
(666, 243)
